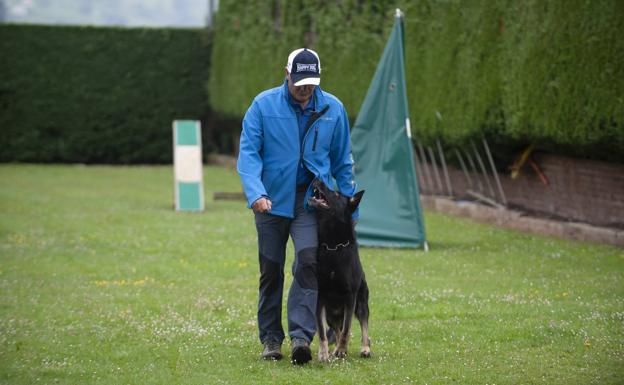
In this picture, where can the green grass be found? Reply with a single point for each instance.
(101, 282)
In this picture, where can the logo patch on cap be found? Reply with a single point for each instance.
(306, 67)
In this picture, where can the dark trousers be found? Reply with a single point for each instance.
(273, 232)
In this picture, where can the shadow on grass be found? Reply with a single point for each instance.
(450, 245)
(433, 246)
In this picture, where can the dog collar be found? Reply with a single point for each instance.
(337, 246)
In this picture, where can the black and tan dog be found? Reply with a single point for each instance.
(342, 288)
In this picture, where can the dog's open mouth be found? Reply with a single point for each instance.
(318, 199)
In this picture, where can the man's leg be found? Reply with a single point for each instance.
(304, 289)
(272, 238)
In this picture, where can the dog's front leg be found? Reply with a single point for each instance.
(342, 341)
(323, 352)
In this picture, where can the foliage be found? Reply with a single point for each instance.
(105, 95)
(547, 73)
(103, 283)
(252, 41)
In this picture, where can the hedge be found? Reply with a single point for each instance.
(517, 72)
(98, 95)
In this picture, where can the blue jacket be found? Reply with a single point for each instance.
(270, 150)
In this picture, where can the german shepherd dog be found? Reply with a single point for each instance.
(342, 287)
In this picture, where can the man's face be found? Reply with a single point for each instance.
(301, 94)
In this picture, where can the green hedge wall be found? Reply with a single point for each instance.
(98, 95)
(543, 72)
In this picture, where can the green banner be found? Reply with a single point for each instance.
(390, 213)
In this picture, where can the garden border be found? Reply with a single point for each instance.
(518, 220)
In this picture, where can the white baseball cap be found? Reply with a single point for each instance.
(304, 67)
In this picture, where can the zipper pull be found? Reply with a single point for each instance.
(315, 137)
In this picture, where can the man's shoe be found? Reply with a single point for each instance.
(272, 351)
(301, 353)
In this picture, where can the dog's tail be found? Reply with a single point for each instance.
(331, 336)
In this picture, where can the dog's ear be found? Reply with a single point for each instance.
(355, 201)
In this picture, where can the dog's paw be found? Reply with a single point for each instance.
(323, 352)
(340, 353)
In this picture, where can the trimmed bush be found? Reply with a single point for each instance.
(548, 73)
(98, 95)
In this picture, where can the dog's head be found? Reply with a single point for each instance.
(332, 204)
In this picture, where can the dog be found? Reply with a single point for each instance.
(342, 287)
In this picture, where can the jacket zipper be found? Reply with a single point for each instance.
(305, 136)
(315, 137)
(313, 119)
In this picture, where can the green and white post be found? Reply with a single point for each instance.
(187, 166)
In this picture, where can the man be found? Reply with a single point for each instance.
(291, 134)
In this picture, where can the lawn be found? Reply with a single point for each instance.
(101, 282)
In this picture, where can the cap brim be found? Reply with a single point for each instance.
(306, 81)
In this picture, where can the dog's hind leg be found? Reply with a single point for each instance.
(342, 338)
(323, 351)
(365, 350)
(362, 312)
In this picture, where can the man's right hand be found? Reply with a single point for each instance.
(262, 205)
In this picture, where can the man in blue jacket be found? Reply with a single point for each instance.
(292, 134)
